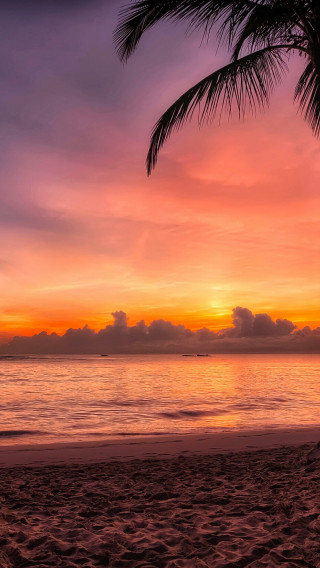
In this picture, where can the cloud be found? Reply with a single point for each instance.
(165, 330)
(120, 319)
(243, 322)
(307, 331)
(250, 334)
(260, 325)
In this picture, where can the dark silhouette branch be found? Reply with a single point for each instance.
(262, 31)
(248, 82)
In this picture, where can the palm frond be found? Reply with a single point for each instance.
(246, 82)
(266, 24)
(136, 18)
(308, 94)
(233, 20)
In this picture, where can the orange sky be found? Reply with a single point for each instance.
(230, 216)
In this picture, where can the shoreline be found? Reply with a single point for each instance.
(153, 447)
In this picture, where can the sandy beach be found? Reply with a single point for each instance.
(233, 508)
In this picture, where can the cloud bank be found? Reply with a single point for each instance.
(250, 334)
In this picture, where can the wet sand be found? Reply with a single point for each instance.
(164, 447)
(253, 507)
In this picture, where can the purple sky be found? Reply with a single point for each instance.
(230, 216)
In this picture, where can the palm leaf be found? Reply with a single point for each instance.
(135, 19)
(265, 25)
(308, 94)
(247, 83)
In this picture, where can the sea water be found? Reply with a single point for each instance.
(62, 398)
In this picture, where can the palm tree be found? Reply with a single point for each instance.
(261, 36)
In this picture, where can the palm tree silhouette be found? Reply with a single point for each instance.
(261, 36)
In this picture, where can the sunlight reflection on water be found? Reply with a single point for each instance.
(61, 398)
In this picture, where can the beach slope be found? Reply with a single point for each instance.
(249, 508)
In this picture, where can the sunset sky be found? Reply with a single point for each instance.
(230, 217)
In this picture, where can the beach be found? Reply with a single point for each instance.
(246, 499)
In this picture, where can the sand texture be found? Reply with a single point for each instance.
(257, 509)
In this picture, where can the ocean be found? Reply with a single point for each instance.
(77, 398)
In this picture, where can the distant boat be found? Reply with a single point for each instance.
(202, 355)
(188, 355)
(104, 355)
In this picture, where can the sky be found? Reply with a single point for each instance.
(230, 217)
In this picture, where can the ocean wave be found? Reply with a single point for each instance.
(257, 403)
(119, 403)
(129, 434)
(17, 433)
(13, 357)
(191, 413)
(146, 434)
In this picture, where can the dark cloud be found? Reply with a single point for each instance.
(165, 330)
(139, 332)
(284, 326)
(250, 334)
(307, 331)
(120, 319)
(260, 325)
(205, 334)
(243, 322)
